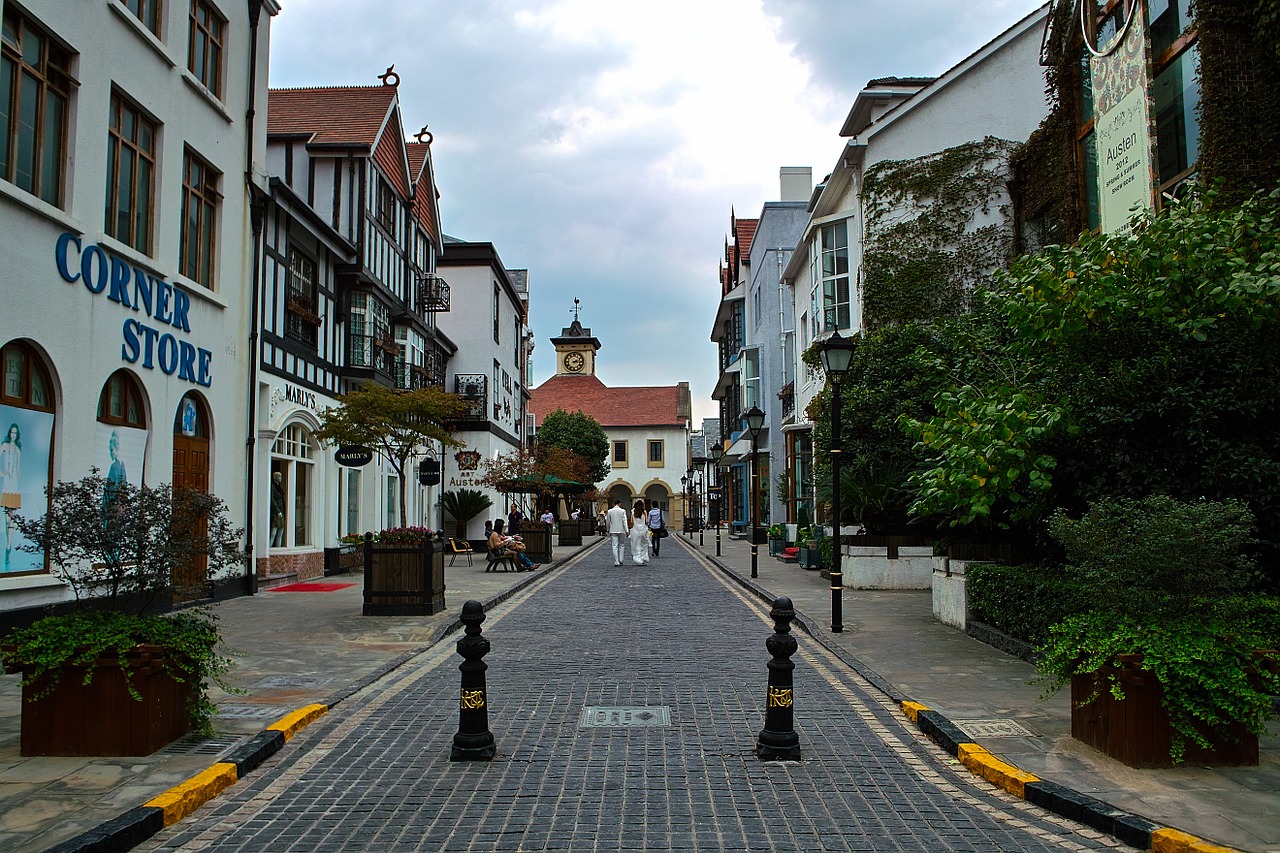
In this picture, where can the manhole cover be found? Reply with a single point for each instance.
(291, 682)
(201, 745)
(606, 717)
(994, 728)
(250, 712)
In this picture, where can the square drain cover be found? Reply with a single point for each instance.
(250, 712)
(607, 717)
(994, 728)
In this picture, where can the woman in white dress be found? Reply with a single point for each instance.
(638, 538)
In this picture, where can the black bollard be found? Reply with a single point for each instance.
(778, 740)
(474, 741)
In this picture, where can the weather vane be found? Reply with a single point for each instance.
(577, 306)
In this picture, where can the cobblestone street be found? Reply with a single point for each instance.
(672, 637)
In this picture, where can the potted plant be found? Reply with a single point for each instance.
(116, 673)
(808, 556)
(1175, 659)
(777, 539)
(462, 505)
(403, 572)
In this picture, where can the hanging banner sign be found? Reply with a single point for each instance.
(353, 455)
(1122, 125)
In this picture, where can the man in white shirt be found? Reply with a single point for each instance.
(655, 524)
(616, 524)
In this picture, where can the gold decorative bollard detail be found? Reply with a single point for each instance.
(779, 697)
(472, 699)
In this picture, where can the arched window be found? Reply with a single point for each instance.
(292, 482)
(122, 429)
(26, 410)
(121, 402)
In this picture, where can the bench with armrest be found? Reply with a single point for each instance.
(500, 560)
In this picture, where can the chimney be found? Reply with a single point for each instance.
(796, 183)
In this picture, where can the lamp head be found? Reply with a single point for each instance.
(835, 353)
(754, 419)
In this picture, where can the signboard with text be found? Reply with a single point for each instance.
(1122, 125)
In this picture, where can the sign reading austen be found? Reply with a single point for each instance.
(1122, 125)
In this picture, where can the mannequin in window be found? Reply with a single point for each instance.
(277, 510)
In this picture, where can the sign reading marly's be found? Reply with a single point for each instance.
(353, 455)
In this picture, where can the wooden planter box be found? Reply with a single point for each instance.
(537, 540)
(570, 532)
(776, 546)
(403, 580)
(101, 718)
(809, 558)
(1136, 731)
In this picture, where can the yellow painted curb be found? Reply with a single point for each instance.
(912, 710)
(1002, 774)
(290, 724)
(1176, 841)
(178, 802)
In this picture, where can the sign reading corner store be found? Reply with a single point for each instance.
(153, 341)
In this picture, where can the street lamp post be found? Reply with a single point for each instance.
(754, 419)
(717, 451)
(835, 353)
(684, 486)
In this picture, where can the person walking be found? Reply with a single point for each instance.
(513, 520)
(617, 525)
(657, 529)
(639, 536)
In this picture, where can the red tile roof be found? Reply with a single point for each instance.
(656, 406)
(745, 232)
(332, 115)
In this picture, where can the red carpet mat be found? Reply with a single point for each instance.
(309, 586)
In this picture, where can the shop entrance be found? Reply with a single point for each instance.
(191, 471)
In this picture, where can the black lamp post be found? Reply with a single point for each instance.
(835, 353)
(684, 487)
(754, 419)
(700, 462)
(717, 451)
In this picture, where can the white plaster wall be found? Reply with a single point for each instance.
(869, 568)
(79, 332)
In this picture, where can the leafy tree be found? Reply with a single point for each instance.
(1123, 365)
(463, 505)
(581, 435)
(129, 547)
(395, 424)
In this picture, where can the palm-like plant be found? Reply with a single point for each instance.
(463, 505)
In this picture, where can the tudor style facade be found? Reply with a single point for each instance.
(349, 294)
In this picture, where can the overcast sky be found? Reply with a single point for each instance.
(602, 145)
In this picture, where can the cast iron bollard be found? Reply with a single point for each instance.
(778, 740)
(474, 741)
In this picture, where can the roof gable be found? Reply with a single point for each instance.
(331, 115)
(612, 407)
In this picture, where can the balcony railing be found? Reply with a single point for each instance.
(433, 293)
(411, 377)
(378, 354)
(472, 387)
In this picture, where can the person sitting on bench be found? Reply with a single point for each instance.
(513, 545)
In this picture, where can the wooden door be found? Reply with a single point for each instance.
(190, 471)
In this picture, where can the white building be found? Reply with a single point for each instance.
(997, 92)
(125, 249)
(490, 371)
(647, 427)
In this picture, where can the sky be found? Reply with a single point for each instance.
(604, 146)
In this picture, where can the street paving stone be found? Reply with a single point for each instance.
(375, 773)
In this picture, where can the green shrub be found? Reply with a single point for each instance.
(1157, 555)
(1023, 601)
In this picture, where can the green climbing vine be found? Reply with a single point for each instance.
(936, 227)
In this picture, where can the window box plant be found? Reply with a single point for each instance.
(1174, 661)
(117, 674)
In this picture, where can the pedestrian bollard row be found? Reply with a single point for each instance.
(778, 740)
(474, 741)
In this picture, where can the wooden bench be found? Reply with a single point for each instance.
(500, 561)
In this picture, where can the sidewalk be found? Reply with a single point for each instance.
(893, 635)
(297, 649)
(291, 650)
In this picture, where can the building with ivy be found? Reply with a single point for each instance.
(915, 212)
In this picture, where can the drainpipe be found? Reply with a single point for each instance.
(257, 212)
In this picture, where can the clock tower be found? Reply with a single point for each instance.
(576, 348)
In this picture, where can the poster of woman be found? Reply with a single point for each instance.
(119, 453)
(24, 474)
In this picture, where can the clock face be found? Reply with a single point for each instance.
(573, 362)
